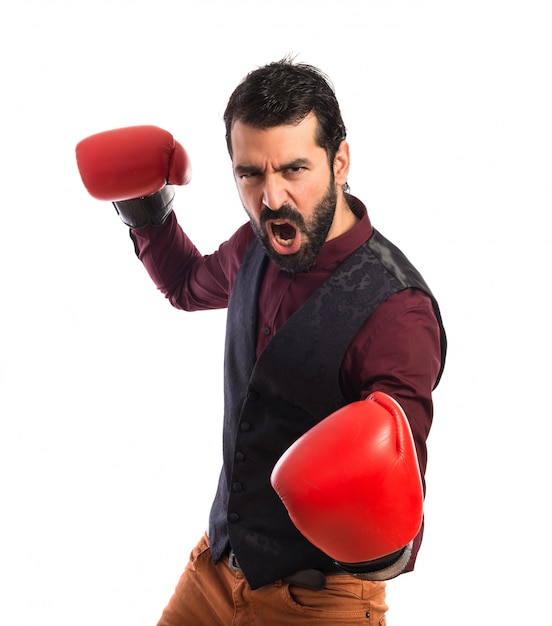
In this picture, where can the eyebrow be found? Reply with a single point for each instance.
(252, 169)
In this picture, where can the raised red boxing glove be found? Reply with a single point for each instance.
(352, 485)
(132, 167)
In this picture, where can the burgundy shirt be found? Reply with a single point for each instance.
(397, 350)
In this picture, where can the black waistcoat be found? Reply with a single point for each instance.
(270, 402)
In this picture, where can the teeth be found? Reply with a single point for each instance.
(283, 232)
(283, 242)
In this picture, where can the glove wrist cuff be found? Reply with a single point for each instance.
(384, 568)
(149, 210)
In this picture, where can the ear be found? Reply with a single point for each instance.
(341, 164)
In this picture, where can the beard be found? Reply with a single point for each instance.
(313, 233)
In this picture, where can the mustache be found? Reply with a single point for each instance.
(285, 212)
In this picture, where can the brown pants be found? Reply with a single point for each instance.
(215, 595)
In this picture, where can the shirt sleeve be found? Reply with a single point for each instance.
(189, 280)
(397, 351)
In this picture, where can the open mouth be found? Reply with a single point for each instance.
(284, 236)
(284, 233)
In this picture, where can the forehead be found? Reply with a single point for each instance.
(285, 140)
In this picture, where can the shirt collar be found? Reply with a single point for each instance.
(335, 251)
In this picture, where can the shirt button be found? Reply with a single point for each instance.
(266, 330)
(252, 395)
(240, 456)
(245, 426)
(237, 487)
(234, 517)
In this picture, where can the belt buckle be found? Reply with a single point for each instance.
(308, 579)
(233, 562)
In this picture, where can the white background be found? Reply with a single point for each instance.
(110, 402)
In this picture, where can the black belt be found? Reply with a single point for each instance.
(308, 578)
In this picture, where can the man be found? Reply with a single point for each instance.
(334, 344)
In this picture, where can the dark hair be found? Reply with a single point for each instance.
(285, 92)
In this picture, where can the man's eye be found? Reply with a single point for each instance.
(250, 178)
(296, 170)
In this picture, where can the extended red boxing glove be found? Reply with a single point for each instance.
(352, 487)
(132, 167)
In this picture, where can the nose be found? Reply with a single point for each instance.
(274, 193)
